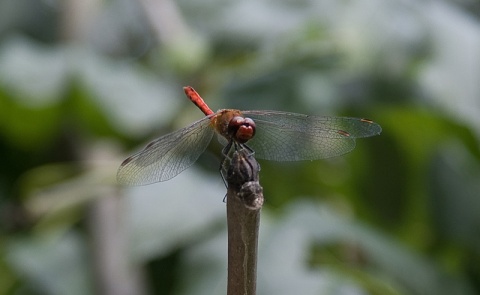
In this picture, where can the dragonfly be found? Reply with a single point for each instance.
(270, 135)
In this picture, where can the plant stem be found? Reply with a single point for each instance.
(242, 247)
(244, 201)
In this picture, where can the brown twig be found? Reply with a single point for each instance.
(244, 201)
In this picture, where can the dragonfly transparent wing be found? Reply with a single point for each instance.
(282, 136)
(167, 156)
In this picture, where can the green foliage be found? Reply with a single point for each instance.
(398, 215)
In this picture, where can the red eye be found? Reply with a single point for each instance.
(241, 129)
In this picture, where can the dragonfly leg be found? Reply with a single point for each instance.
(226, 158)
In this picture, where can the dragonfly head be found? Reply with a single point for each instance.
(241, 129)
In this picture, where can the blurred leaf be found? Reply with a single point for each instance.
(34, 75)
(398, 196)
(133, 99)
(8, 279)
(417, 274)
(130, 97)
(454, 197)
(57, 203)
(32, 79)
(172, 214)
(52, 264)
(28, 128)
(451, 77)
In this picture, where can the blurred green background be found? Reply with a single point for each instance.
(85, 83)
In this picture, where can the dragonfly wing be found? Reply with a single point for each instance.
(222, 140)
(282, 136)
(167, 156)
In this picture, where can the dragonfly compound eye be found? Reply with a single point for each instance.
(241, 129)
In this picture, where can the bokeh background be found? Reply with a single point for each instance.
(85, 83)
